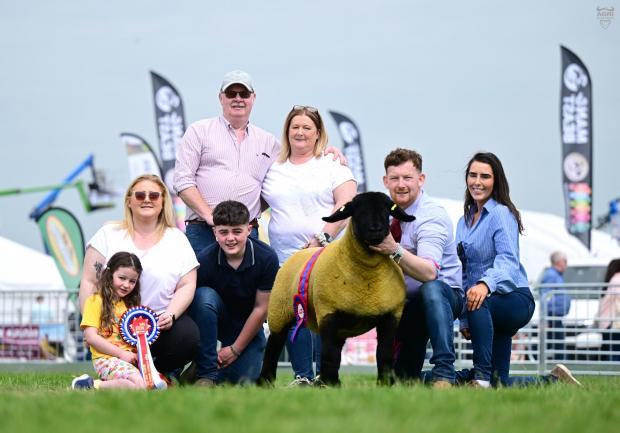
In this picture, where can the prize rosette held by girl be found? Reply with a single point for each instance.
(139, 328)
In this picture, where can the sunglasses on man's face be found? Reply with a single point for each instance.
(232, 94)
(141, 195)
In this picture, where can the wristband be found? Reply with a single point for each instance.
(397, 255)
(323, 238)
(234, 351)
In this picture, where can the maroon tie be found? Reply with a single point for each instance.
(396, 230)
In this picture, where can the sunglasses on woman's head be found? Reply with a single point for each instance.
(305, 107)
(232, 94)
(141, 195)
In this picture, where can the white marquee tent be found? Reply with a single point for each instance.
(22, 268)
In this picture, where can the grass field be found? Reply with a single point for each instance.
(42, 402)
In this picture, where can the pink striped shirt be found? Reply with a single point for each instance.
(210, 158)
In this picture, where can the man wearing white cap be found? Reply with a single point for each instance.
(223, 158)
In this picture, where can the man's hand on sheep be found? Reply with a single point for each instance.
(225, 357)
(386, 247)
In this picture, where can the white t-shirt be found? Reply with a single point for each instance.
(299, 196)
(163, 265)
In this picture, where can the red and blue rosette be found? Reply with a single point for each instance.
(137, 319)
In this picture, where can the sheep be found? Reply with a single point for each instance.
(351, 289)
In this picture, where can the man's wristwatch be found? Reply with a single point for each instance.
(323, 238)
(397, 255)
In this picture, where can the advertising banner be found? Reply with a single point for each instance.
(576, 135)
(351, 137)
(64, 241)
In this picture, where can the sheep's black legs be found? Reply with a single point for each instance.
(386, 331)
(275, 344)
(331, 348)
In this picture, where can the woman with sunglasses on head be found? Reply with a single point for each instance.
(168, 280)
(497, 294)
(301, 187)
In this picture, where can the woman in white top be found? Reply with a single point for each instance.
(301, 187)
(168, 280)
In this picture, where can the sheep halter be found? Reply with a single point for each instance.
(300, 300)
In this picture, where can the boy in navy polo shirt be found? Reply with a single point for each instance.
(230, 305)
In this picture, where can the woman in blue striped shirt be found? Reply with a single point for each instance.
(498, 298)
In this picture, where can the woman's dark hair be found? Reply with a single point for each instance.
(107, 292)
(501, 190)
(612, 268)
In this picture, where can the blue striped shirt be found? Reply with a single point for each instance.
(431, 237)
(491, 248)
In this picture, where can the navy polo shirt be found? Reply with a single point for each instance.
(237, 287)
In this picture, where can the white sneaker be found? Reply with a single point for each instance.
(563, 374)
(300, 382)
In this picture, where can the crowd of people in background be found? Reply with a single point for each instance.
(212, 283)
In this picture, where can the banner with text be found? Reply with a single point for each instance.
(352, 148)
(576, 133)
(170, 120)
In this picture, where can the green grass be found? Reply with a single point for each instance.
(43, 402)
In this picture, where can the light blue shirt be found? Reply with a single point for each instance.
(491, 248)
(431, 237)
(558, 304)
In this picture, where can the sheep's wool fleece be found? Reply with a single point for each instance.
(346, 278)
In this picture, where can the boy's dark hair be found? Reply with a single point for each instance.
(231, 213)
(400, 156)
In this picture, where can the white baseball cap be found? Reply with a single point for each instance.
(237, 77)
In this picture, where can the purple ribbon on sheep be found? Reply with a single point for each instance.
(300, 300)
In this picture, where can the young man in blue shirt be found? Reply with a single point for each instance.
(235, 278)
(426, 252)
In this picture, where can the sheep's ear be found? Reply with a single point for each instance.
(400, 214)
(344, 212)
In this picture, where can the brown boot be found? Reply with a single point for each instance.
(205, 382)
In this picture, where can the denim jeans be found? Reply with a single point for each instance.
(492, 327)
(214, 322)
(201, 236)
(557, 335)
(303, 352)
(428, 314)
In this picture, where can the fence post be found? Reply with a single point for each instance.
(542, 333)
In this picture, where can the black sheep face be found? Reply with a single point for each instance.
(370, 215)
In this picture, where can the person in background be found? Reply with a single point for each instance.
(114, 360)
(235, 279)
(497, 294)
(557, 302)
(302, 186)
(608, 316)
(168, 280)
